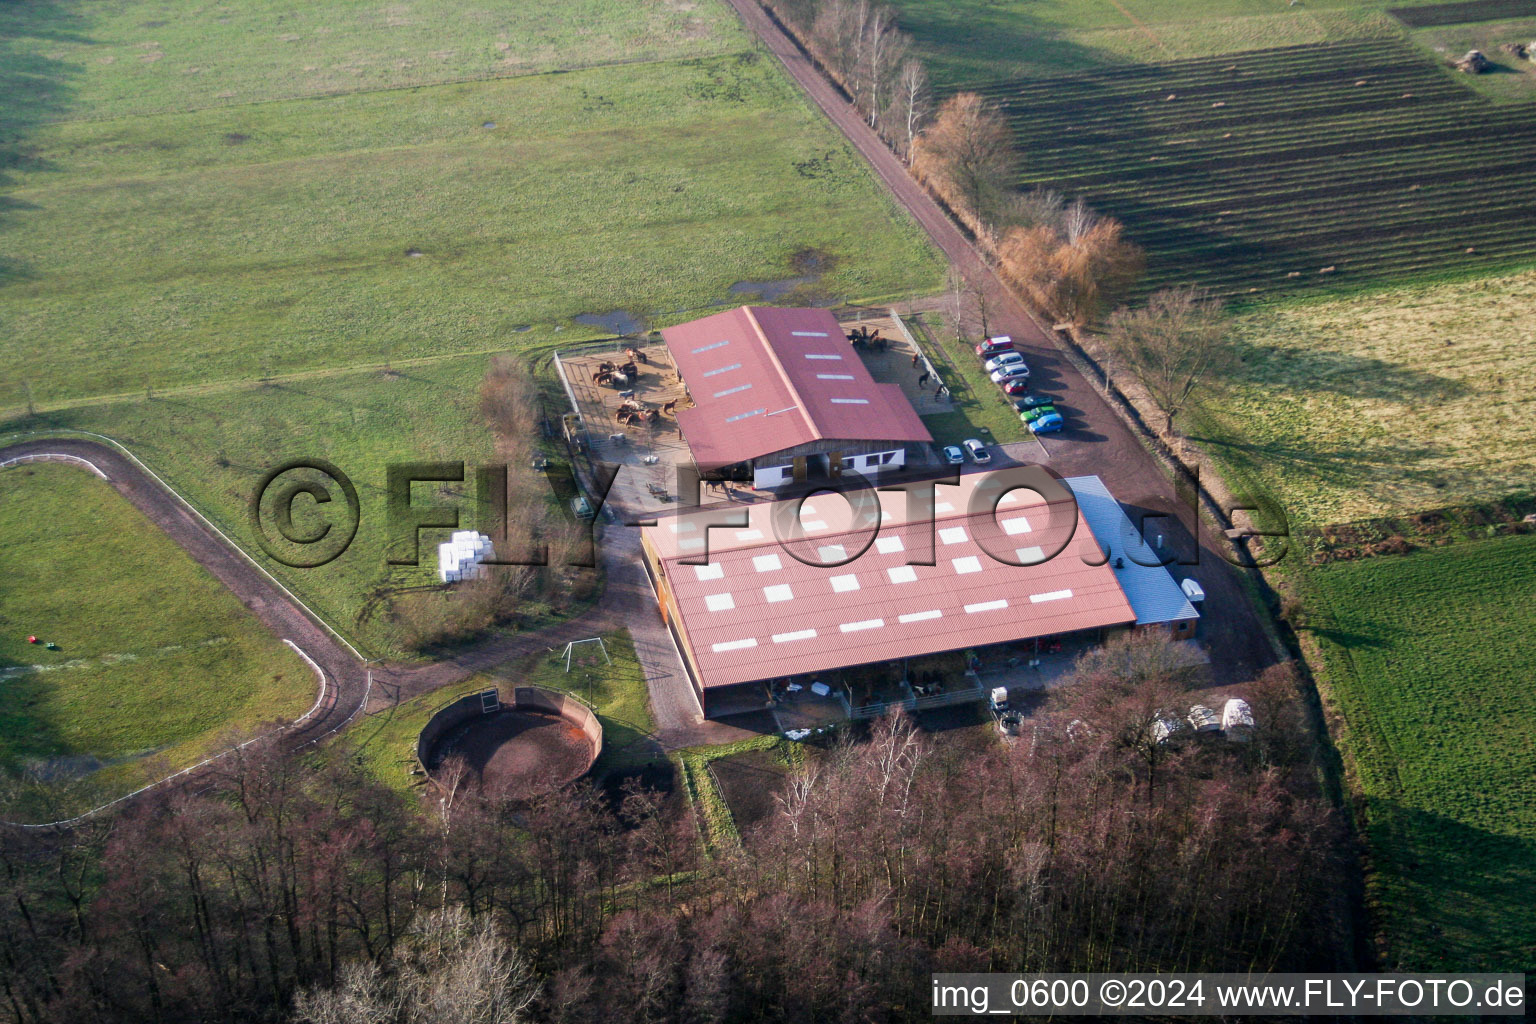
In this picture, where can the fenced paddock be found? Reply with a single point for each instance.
(541, 739)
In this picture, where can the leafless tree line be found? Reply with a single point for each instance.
(861, 47)
(303, 890)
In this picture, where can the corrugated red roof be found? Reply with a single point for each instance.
(764, 379)
(755, 611)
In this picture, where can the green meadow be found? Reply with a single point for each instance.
(155, 659)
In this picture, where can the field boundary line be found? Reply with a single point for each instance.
(208, 523)
(65, 823)
(22, 460)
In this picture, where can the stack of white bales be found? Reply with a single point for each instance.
(460, 558)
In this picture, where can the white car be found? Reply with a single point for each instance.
(1002, 359)
(977, 451)
(1013, 371)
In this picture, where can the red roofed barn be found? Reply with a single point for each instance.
(781, 393)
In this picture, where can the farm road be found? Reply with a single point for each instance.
(1097, 441)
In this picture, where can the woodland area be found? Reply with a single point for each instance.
(298, 889)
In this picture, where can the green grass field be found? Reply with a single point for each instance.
(156, 658)
(1351, 408)
(173, 236)
(217, 442)
(386, 743)
(967, 41)
(1427, 659)
(153, 251)
(110, 58)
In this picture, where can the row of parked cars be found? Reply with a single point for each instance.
(1006, 366)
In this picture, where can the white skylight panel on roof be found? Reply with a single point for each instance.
(932, 613)
(1030, 555)
(986, 606)
(778, 592)
(850, 401)
(749, 534)
(834, 376)
(902, 574)
(1016, 525)
(707, 348)
(953, 535)
(889, 545)
(734, 645)
(831, 554)
(808, 334)
(857, 627)
(1055, 595)
(732, 391)
(799, 634)
(843, 584)
(720, 602)
(766, 563)
(744, 415)
(823, 355)
(970, 563)
(722, 369)
(713, 571)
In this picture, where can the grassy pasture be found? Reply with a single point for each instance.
(1428, 661)
(110, 58)
(156, 658)
(1352, 408)
(215, 443)
(1313, 167)
(386, 743)
(1512, 80)
(969, 41)
(649, 188)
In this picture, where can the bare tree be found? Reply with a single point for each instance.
(967, 153)
(911, 104)
(1170, 345)
(1072, 263)
(451, 969)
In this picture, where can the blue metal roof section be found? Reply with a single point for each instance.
(1154, 594)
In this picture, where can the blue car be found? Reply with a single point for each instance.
(1047, 424)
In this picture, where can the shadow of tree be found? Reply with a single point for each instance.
(1302, 368)
(34, 90)
(1453, 896)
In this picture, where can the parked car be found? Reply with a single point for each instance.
(1027, 399)
(582, 508)
(1003, 359)
(992, 346)
(977, 450)
(1014, 371)
(953, 455)
(1031, 415)
(1047, 424)
(1018, 387)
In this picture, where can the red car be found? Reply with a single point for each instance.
(1016, 387)
(992, 346)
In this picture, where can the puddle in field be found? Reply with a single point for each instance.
(620, 322)
(809, 266)
(771, 290)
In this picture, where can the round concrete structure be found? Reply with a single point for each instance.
(539, 740)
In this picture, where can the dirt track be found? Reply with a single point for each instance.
(282, 614)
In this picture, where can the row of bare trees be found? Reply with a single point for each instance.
(303, 890)
(860, 46)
